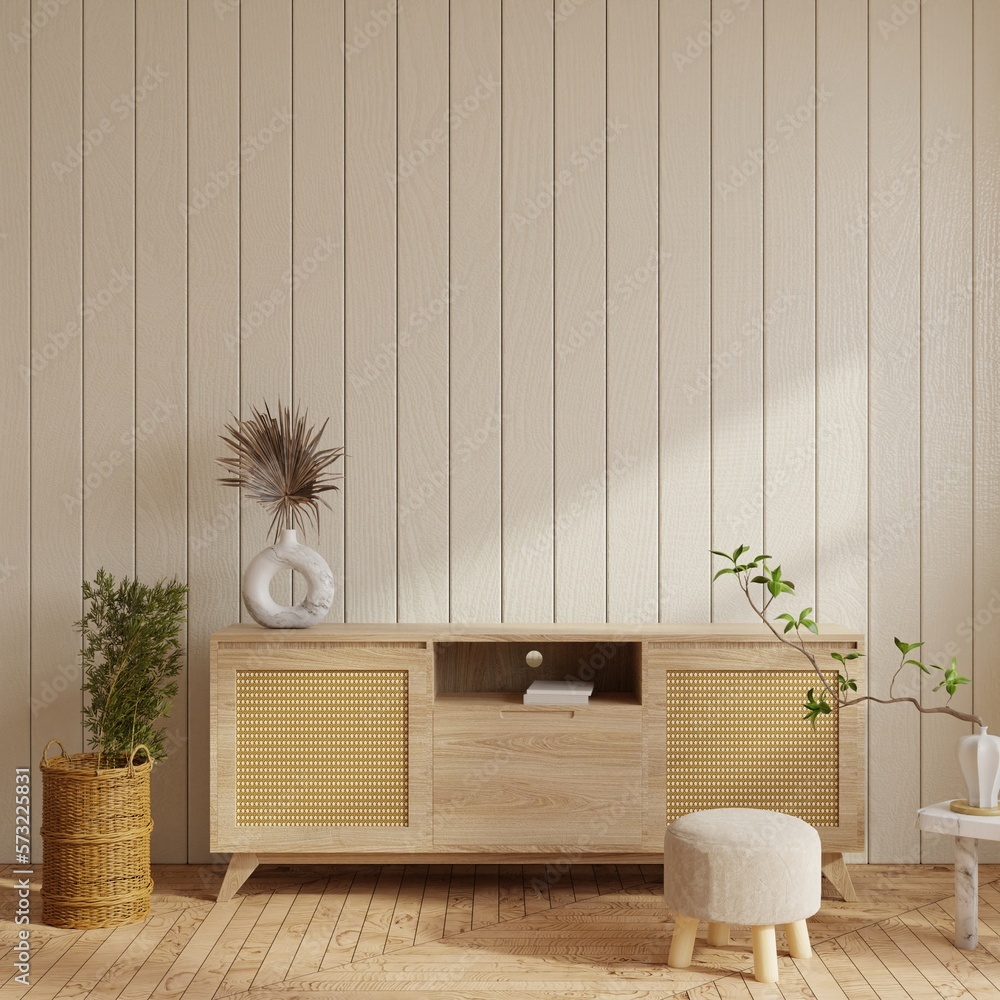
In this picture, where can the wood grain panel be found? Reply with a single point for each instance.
(421, 184)
(318, 247)
(266, 123)
(632, 308)
(685, 191)
(985, 626)
(503, 777)
(737, 294)
(56, 387)
(370, 336)
(793, 97)
(946, 394)
(892, 222)
(15, 409)
(527, 350)
(161, 361)
(108, 171)
(580, 177)
(842, 316)
(474, 390)
(212, 211)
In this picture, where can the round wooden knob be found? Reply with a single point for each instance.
(533, 659)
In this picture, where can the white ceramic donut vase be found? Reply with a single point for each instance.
(288, 553)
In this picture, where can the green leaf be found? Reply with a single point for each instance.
(739, 551)
(723, 572)
(724, 555)
(839, 657)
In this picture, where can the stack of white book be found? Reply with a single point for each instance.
(559, 693)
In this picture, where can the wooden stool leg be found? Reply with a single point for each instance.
(798, 940)
(718, 934)
(682, 942)
(765, 955)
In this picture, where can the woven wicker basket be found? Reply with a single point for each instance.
(96, 826)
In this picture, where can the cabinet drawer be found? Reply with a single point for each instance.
(546, 779)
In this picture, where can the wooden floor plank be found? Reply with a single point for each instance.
(378, 919)
(536, 889)
(607, 879)
(632, 875)
(937, 931)
(486, 896)
(584, 881)
(251, 955)
(317, 937)
(463, 887)
(220, 958)
(560, 882)
(916, 951)
(511, 892)
(434, 905)
(67, 965)
(286, 943)
(844, 971)
(913, 982)
(405, 917)
(505, 931)
(351, 921)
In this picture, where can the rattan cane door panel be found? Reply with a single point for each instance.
(723, 727)
(730, 743)
(322, 748)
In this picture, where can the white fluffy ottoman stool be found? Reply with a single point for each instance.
(741, 866)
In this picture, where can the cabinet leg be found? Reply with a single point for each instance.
(241, 867)
(840, 878)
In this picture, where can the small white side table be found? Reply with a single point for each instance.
(967, 831)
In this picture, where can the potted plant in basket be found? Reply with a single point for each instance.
(979, 754)
(95, 805)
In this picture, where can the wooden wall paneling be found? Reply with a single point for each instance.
(685, 192)
(318, 248)
(842, 317)
(108, 172)
(842, 313)
(420, 181)
(474, 238)
(266, 125)
(793, 97)
(946, 381)
(737, 294)
(985, 627)
(580, 180)
(892, 221)
(161, 360)
(212, 209)
(370, 314)
(632, 323)
(56, 386)
(526, 288)
(15, 408)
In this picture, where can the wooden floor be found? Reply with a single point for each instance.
(473, 932)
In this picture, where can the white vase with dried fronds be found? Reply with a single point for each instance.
(278, 462)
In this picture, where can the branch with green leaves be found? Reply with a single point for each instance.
(830, 695)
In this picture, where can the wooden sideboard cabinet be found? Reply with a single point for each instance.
(385, 743)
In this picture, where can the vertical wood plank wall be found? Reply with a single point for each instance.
(584, 287)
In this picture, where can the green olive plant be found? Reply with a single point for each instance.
(841, 693)
(131, 655)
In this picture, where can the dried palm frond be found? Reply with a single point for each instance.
(277, 461)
